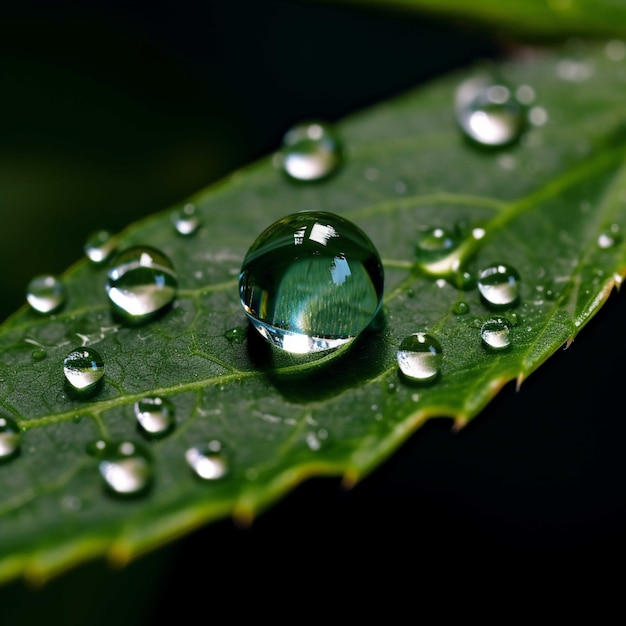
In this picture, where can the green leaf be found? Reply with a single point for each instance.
(530, 19)
(551, 206)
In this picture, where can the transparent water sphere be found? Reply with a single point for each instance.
(141, 282)
(495, 333)
(99, 246)
(46, 293)
(434, 244)
(83, 369)
(186, 220)
(125, 466)
(499, 285)
(310, 151)
(419, 357)
(312, 281)
(155, 415)
(10, 438)
(207, 460)
(490, 114)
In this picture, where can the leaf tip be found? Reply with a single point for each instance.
(460, 422)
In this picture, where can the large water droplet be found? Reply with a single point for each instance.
(155, 416)
(495, 333)
(126, 466)
(419, 357)
(46, 293)
(83, 369)
(99, 246)
(499, 285)
(489, 114)
(141, 282)
(186, 220)
(435, 243)
(310, 151)
(311, 281)
(207, 460)
(10, 438)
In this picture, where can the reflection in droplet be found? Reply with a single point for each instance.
(311, 281)
(46, 293)
(495, 333)
(141, 282)
(489, 114)
(207, 460)
(310, 151)
(419, 357)
(186, 220)
(83, 368)
(10, 438)
(499, 285)
(126, 466)
(99, 246)
(155, 415)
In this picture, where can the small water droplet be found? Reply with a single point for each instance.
(155, 416)
(186, 220)
(99, 246)
(538, 116)
(141, 282)
(574, 70)
(434, 244)
(237, 334)
(310, 151)
(46, 293)
(207, 460)
(311, 281)
(83, 369)
(615, 50)
(525, 94)
(461, 308)
(499, 285)
(10, 438)
(609, 238)
(489, 114)
(39, 354)
(419, 357)
(495, 333)
(126, 466)
(464, 279)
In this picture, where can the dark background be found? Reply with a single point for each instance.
(117, 110)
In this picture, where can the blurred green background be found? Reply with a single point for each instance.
(112, 111)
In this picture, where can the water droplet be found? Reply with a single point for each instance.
(538, 116)
(609, 238)
(419, 357)
(10, 438)
(207, 460)
(186, 220)
(489, 114)
(574, 70)
(141, 283)
(38, 354)
(310, 151)
(495, 333)
(155, 416)
(99, 246)
(463, 279)
(311, 281)
(499, 285)
(237, 334)
(126, 467)
(83, 369)
(435, 243)
(461, 308)
(46, 293)
(615, 50)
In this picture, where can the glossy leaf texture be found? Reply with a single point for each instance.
(530, 19)
(551, 205)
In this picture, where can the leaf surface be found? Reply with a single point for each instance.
(551, 206)
(530, 19)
